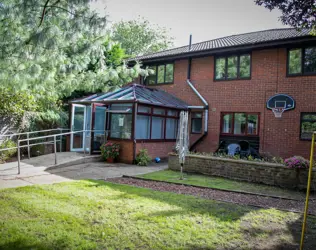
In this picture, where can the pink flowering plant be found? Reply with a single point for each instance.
(297, 162)
(110, 150)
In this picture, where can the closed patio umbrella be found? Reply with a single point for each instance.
(182, 145)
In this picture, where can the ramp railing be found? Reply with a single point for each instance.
(54, 142)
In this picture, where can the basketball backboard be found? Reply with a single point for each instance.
(281, 101)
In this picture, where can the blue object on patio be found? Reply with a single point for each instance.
(157, 159)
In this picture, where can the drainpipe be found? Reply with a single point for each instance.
(201, 98)
(205, 114)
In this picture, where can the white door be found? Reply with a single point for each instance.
(78, 123)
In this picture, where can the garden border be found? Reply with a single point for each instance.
(251, 171)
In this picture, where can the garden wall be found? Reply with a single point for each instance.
(258, 172)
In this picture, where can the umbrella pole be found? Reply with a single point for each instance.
(181, 176)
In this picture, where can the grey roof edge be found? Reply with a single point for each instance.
(161, 55)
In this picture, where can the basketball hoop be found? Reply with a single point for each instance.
(278, 112)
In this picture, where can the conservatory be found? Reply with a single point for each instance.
(134, 116)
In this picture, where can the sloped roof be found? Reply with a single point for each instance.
(136, 93)
(251, 38)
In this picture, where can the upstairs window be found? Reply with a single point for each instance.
(232, 67)
(302, 61)
(163, 74)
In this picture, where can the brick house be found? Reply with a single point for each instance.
(225, 83)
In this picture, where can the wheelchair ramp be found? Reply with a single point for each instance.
(41, 163)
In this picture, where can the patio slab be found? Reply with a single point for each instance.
(43, 172)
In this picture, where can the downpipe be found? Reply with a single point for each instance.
(206, 107)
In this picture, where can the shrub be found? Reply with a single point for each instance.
(110, 150)
(142, 158)
(38, 150)
(7, 154)
(268, 157)
(296, 162)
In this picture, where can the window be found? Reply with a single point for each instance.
(163, 74)
(121, 121)
(308, 125)
(232, 67)
(196, 123)
(302, 61)
(239, 123)
(156, 123)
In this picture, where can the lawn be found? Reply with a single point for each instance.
(100, 215)
(224, 184)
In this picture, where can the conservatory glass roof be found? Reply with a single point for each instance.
(135, 93)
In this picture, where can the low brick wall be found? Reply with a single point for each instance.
(258, 172)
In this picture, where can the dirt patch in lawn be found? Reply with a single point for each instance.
(208, 193)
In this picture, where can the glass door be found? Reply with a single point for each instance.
(78, 122)
(99, 123)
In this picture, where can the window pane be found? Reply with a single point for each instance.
(295, 61)
(122, 107)
(169, 73)
(196, 125)
(239, 123)
(220, 68)
(309, 117)
(227, 123)
(151, 79)
(161, 74)
(157, 129)
(232, 67)
(196, 115)
(307, 129)
(159, 111)
(143, 127)
(252, 127)
(308, 125)
(121, 126)
(171, 128)
(144, 109)
(244, 67)
(310, 60)
(172, 113)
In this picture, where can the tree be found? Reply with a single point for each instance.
(298, 14)
(47, 47)
(139, 37)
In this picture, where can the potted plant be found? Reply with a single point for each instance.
(110, 151)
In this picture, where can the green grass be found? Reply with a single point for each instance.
(100, 215)
(222, 183)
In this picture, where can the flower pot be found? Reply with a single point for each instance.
(110, 160)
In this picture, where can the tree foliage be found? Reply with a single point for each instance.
(298, 14)
(47, 47)
(140, 37)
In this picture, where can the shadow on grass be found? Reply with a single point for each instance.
(186, 204)
(226, 212)
(22, 244)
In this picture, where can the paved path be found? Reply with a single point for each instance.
(40, 171)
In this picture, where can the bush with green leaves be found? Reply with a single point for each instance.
(7, 154)
(142, 158)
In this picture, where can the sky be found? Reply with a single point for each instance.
(204, 19)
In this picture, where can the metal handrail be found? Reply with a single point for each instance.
(34, 132)
(55, 141)
(28, 136)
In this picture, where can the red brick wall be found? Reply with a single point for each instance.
(277, 136)
(126, 150)
(156, 149)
